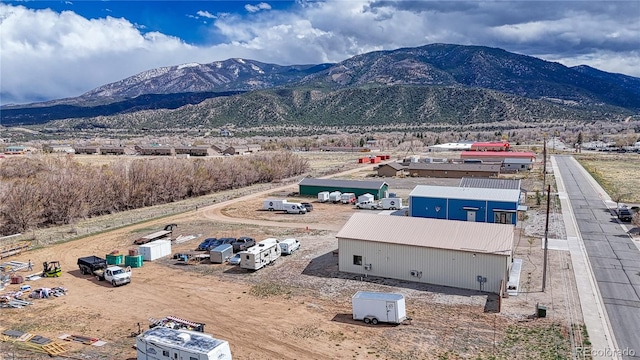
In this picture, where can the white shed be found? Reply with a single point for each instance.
(459, 254)
(155, 250)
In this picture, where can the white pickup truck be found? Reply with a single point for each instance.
(116, 275)
(371, 205)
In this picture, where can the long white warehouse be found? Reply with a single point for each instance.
(461, 254)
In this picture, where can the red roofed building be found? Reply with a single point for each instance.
(490, 146)
(489, 156)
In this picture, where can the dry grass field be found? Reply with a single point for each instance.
(618, 174)
(298, 308)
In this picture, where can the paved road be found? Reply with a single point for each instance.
(614, 258)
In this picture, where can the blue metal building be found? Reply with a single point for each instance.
(465, 204)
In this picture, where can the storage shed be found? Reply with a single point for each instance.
(516, 165)
(391, 169)
(311, 187)
(458, 254)
(465, 203)
(155, 250)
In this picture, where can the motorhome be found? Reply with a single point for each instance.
(288, 246)
(163, 343)
(262, 254)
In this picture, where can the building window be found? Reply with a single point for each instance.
(502, 218)
(357, 260)
(165, 353)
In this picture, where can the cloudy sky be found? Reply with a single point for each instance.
(57, 49)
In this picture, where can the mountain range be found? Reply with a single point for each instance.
(437, 83)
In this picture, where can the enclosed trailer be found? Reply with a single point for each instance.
(274, 204)
(155, 250)
(375, 307)
(288, 246)
(323, 196)
(335, 196)
(391, 203)
(348, 198)
(221, 253)
(262, 254)
(365, 198)
(162, 343)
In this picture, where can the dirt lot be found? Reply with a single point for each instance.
(298, 308)
(616, 173)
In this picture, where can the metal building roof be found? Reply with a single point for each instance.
(493, 167)
(490, 183)
(442, 234)
(466, 193)
(356, 184)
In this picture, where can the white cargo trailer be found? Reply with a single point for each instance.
(365, 198)
(391, 203)
(323, 196)
(335, 196)
(163, 343)
(260, 255)
(375, 307)
(348, 198)
(155, 250)
(274, 204)
(221, 253)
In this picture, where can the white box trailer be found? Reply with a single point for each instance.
(335, 196)
(348, 198)
(155, 250)
(260, 255)
(323, 196)
(221, 253)
(375, 307)
(365, 198)
(391, 203)
(274, 204)
(163, 343)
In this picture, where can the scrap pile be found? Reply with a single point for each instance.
(86, 340)
(48, 292)
(33, 342)
(13, 299)
(13, 266)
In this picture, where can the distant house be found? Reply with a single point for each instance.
(15, 150)
(86, 149)
(348, 149)
(242, 149)
(490, 146)
(459, 146)
(497, 155)
(55, 148)
(219, 147)
(391, 169)
(198, 150)
(516, 165)
(155, 150)
(465, 203)
(113, 150)
(453, 170)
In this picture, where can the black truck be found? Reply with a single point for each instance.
(92, 265)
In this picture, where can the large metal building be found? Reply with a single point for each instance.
(465, 203)
(311, 187)
(458, 254)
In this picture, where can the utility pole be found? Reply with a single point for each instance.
(544, 161)
(546, 241)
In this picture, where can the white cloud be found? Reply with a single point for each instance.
(49, 55)
(206, 14)
(256, 8)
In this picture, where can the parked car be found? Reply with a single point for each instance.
(235, 260)
(243, 243)
(308, 206)
(218, 242)
(624, 214)
(206, 244)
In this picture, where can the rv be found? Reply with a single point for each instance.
(262, 254)
(288, 246)
(391, 203)
(323, 196)
(274, 204)
(335, 196)
(374, 307)
(163, 343)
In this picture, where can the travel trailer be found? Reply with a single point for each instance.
(262, 254)
(163, 343)
(323, 196)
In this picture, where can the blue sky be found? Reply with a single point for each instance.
(56, 49)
